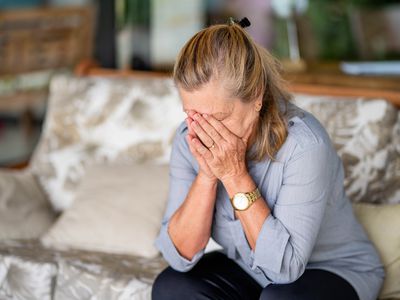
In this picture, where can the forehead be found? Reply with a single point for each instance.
(209, 98)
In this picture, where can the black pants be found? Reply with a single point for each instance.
(217, 277)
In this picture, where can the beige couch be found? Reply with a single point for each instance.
(80, 221)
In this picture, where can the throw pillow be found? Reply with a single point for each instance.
(24, 210)
(94, 120)
(382, 224)
(118, 209)
(365, 134)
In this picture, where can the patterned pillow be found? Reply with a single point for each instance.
(366, 135)
(95, 120)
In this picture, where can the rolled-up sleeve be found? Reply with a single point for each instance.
(181, 177)
(289, 233)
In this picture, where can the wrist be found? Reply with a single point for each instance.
(238, 184)
(206, 180)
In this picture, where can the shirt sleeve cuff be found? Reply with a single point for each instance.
(270, 245)
(171, 254)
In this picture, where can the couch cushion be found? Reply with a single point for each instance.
(22, 279)
(95, 120)
(117, 209)
(77, 274)
(366, 135)
(24, 209)
(382, 224)
(87, 284)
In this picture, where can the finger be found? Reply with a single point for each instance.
(190, 127)
(192, 149)
(191, 113)
(202, 135)
(208, 128)
(224, 132)
(200, 159)
(191, 130)
(201, 149)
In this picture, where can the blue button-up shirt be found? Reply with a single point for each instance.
(311, 224)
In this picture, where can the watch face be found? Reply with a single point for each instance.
(240, 201)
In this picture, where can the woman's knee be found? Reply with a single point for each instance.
(172, 284)
(162, 285)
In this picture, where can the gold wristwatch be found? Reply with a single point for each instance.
(242, 201)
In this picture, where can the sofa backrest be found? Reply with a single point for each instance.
(95, 120)
(366, 135)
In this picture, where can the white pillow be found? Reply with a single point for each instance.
(117, 209)
(382, 224)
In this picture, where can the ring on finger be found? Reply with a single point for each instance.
(212, 146)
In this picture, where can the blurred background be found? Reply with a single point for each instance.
(39, 38)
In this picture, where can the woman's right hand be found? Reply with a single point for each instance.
(204, 171)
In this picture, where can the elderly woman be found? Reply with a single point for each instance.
(261, 177)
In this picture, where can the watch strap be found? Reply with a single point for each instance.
(253, 196)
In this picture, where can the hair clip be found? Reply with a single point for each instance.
(243, 22)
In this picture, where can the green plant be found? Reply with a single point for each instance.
(132, 12)
(332, 30)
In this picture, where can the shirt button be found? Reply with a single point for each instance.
(291, 123)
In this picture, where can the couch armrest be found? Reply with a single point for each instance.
(24, 209)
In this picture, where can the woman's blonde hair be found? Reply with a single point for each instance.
(226, 52)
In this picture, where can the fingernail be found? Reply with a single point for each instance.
(196, 116)
(205, 116)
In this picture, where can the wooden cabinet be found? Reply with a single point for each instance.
(44, 38)
(326, 78)
(36, 42)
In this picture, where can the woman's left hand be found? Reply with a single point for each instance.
(224, 152)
